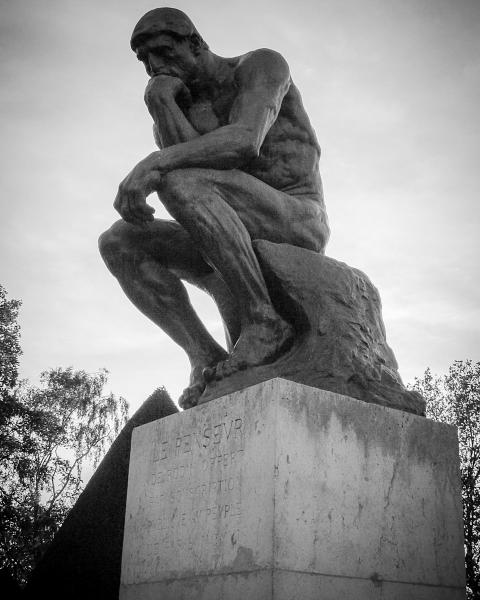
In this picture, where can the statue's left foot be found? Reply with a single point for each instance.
(259, 344)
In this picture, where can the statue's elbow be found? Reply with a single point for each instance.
(250, 149)
(242, 144)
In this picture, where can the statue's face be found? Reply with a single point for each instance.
(164, 54)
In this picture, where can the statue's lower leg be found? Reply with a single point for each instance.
(227, 305)
(161, 296)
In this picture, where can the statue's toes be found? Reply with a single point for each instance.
(209, 373)
(224, 369)
(190, 396)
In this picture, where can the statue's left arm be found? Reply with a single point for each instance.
(263, 79)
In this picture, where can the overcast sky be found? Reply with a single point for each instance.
(392, 88)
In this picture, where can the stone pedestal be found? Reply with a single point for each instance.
(286, 492)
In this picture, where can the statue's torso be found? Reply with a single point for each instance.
(289, 155)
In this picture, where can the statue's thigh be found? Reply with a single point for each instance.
(267, 213)
(167, 242)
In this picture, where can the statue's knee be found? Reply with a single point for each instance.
(106, 244)
(111, 244)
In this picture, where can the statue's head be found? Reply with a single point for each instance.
(167, 42)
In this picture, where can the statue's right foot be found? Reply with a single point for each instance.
(191, 395)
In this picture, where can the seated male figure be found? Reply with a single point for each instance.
(238, 161)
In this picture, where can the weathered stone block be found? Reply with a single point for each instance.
(282, 491)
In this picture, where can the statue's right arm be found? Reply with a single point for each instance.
(170, 124)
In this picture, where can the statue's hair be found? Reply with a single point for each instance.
(169, 20)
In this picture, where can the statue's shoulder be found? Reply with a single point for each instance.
(262, 61)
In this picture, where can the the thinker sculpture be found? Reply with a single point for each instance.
(238, 162)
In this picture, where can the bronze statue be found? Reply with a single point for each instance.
(238, 162)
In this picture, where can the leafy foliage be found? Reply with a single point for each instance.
(455, 399)
(47, 433)
(10, 350)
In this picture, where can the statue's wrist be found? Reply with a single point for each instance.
(160, 101)
(157, 161)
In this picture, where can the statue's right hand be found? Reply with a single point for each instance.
(164, 88)
(130, 201)
(131, 205)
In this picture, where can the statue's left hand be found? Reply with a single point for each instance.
(143, 179)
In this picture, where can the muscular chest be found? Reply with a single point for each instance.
(207, 114)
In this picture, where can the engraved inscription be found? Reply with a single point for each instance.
(208, 436)
(192, 495)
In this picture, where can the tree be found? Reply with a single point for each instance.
(60, 425)
(455, 399)
(10, 350)
(47, 433)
